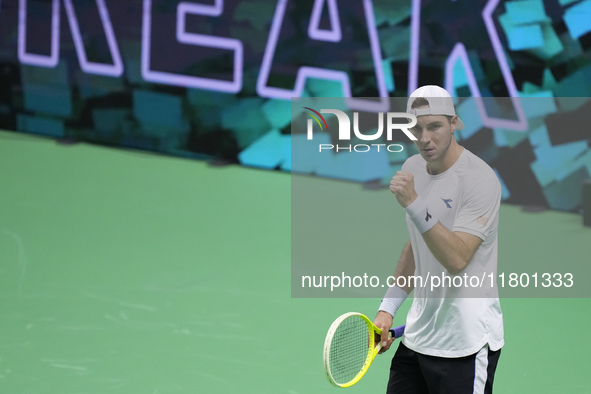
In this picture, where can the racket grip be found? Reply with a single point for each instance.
(398, 331)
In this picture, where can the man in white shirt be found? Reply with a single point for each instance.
(453, 333)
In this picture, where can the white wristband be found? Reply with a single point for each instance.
(393, 298)
(420, 215)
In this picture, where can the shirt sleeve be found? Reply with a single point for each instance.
(480, 209)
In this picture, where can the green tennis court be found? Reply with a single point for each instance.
(128, 272)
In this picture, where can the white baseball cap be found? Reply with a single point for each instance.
(440, 103)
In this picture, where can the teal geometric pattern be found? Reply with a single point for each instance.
(547, 46)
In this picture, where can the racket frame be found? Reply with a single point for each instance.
(373, 350)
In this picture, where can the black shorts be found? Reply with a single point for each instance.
(416, 373)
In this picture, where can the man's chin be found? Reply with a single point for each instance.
(428, 157)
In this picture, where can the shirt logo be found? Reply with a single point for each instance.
(482, 220)
(428, 216)
(447, 201)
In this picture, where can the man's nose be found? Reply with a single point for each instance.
(425, 138)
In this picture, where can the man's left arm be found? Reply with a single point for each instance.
(453, 249)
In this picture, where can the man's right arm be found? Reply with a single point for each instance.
(406, 268)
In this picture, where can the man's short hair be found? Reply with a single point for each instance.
(423, 102)
(419, 102)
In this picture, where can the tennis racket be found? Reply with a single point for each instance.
(349, 348)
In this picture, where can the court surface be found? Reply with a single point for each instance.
(127, 272)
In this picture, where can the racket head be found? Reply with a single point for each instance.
(349, 349)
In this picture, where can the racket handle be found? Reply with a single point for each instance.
(398, 331)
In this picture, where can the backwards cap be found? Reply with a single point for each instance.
(440, 103)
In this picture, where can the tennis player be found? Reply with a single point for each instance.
(451, 197)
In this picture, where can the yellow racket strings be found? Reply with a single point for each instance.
(349, 349)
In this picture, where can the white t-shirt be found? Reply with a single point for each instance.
(450, 321)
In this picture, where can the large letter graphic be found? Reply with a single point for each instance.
(324, 53)
(448, 31)
(115, 69)
(314, 30)
(188, 49)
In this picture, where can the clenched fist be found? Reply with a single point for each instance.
(403, 187)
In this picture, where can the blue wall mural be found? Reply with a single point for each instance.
(213, 79)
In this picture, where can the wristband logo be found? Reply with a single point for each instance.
(345, 129)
